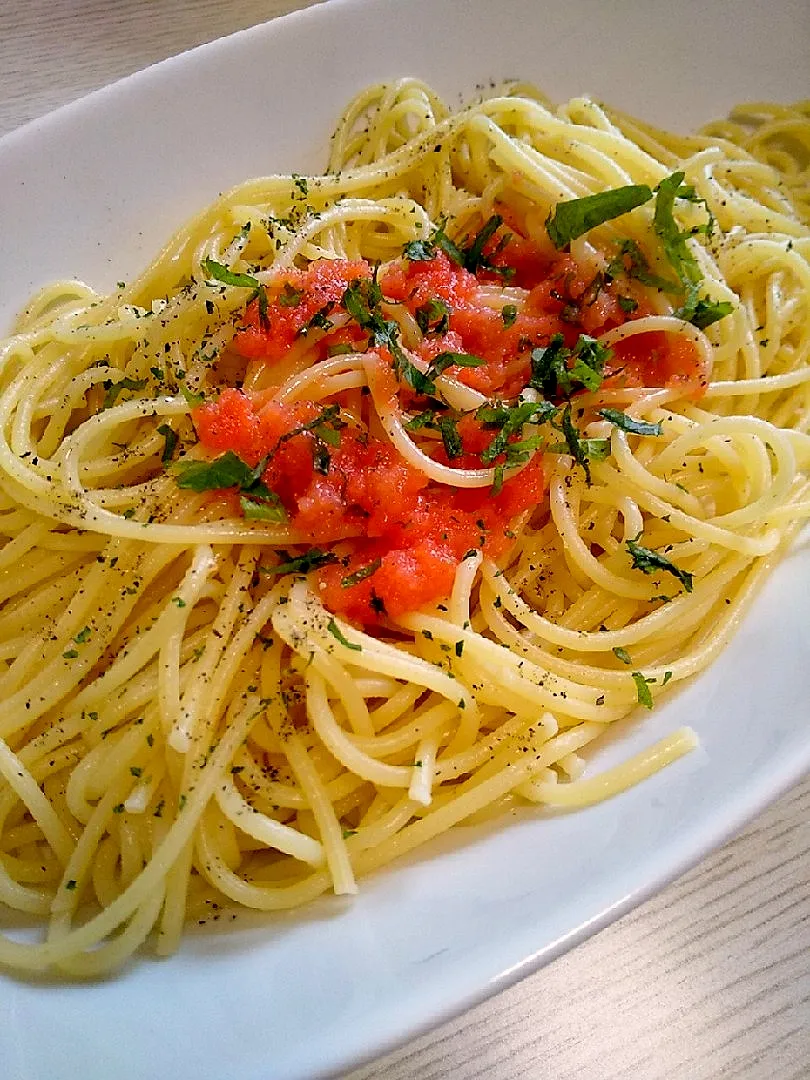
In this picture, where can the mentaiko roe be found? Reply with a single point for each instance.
(411, 533)
(401, 538)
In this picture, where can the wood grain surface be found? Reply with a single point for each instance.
(709, 979)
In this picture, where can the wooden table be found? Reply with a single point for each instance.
(709, 979)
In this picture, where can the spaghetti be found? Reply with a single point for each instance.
(379, 495)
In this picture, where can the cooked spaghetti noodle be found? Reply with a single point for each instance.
(373, 502)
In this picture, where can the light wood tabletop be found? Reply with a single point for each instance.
(711, 978)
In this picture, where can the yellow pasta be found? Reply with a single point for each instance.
(190, 723)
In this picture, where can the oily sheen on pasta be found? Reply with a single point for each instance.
(379, 495)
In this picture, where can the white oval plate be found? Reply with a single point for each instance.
(92, 190)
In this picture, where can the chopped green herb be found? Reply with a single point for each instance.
(642, 690)
(448, 428)
(471, 256)
(574, 443)
(705, 312)
(290, 296)
(361, 300)
(649, 561)
(361, 574)
(667, 677)
(699, 310)
(71, 654)
(630, 424)
(419, 250)
(622, 654)
(474, 254)
(136, 770)
(510, 420)
(83, 636)
(421, 420)
(575, 217)
(170, 438)
(459, 648)
(260, 294)
(632, 261)
(673, 240)
(227, 470)
(179, 601)
(216, 271)
(114, 389)
(266, 508)
(433, 317)
(302, 564)
(337, 634)
(445, 360)
(558, 371)
(508, 315)
(440, 239)
(70, 884)
(319, 320)
(595, 449)
(192, 398)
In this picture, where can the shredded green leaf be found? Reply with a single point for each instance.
(445, 360)
(433, 317)
(192, 398)
(509, 315)
(441, 240)
(114, 389)
(290, 296)
(228, 470)
(632, 261)
(268, 508)
(575, 217)
(642, 690)
(170, 438)
(649, 561)
(216, 271)
(673, 240)
(338, 635)
(510, 420)
(419, 251)
(361, 574)
(704, 312)
(302, 564)
(361, 300)
(340, 348)
(630, 424)
(558, 371)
